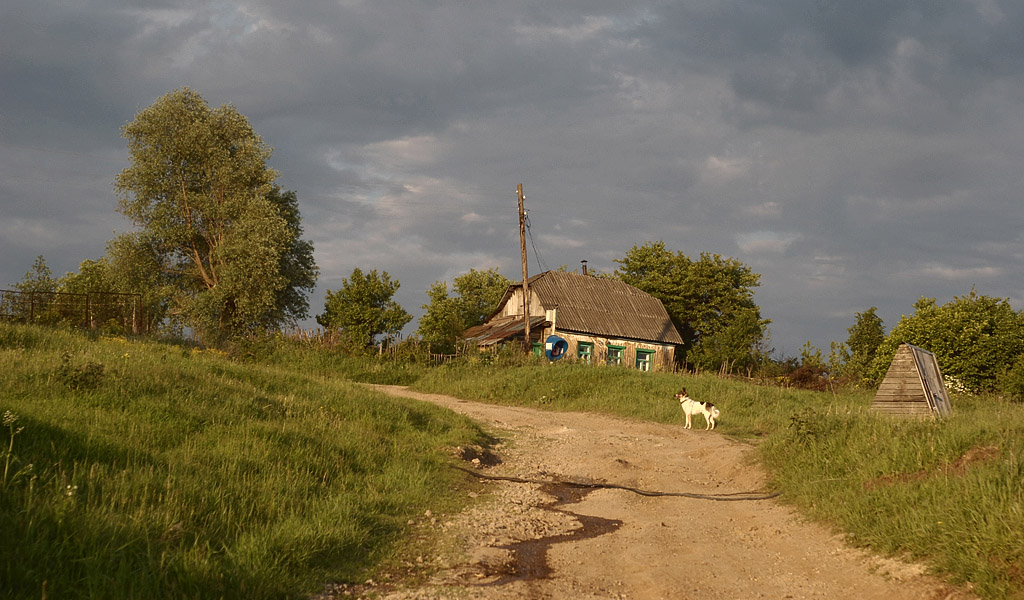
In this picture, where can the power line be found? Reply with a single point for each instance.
(536, 253)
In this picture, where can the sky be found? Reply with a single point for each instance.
(855, 154)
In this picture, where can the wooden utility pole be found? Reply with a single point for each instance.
(526, 285)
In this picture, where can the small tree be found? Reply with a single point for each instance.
(446, 317)
(865, 336)
(38, 279)
(38, 285)
(441, 323)
(362, 308)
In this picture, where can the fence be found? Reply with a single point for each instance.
(392, 347)
(91, 310)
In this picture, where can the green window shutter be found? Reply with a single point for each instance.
(644, 359)
(584, 351)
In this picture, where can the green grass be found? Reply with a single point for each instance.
(949, 493)
(144, 469)
(136, 469)
(753, 411)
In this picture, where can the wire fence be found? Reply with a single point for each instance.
(93, 310)
(392, 347)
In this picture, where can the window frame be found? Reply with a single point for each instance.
(620, 355)
(585, 352)
(644, 357)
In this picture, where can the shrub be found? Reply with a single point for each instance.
(974, 338)
(1012, 381)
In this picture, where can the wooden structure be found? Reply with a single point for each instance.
(912, 386)
(605, 321)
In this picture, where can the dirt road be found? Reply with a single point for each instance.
(550, 541)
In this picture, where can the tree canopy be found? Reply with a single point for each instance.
(227, 240)
(974, 338)
(710, 300)
(38, 279)
(446, 317)
(865, 336)
(363, 309)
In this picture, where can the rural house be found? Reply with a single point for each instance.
(605, 321)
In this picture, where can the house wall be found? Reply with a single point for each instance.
(662, 360)
(514, 306)
(664, 354)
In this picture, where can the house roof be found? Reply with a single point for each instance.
(500, 329)
(600, 306)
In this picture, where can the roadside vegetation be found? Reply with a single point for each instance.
(136, 468)
(139, 469)
(949, 493)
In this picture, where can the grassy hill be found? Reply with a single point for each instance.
(144, 469)
(136, 469)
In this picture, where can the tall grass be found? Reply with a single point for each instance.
(947, 492)
(136, 469)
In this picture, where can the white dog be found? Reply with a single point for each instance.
(692, 407)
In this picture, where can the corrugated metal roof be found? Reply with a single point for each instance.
(601, 306)
(500, 329)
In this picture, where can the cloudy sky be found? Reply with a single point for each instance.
(854, 153)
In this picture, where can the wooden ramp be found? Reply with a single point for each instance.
(913, 386)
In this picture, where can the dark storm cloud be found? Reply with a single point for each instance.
(855, 154)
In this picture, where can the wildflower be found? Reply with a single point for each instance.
(70, 490)
(9, 418)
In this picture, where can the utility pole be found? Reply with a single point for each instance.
(526, 286)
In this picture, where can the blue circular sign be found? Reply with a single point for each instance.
(555, 347)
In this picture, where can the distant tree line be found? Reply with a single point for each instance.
(218, 248)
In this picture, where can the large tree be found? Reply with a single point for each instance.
(446, 317)
(226, 238)
(710, 301)
(363, 309)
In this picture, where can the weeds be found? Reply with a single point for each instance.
(9, 421)
(87, 376)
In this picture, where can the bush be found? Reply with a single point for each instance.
(1012, 381)
(974, 338)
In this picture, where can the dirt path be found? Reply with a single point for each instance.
(534, 541)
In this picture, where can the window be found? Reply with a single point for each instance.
(584, 351)
(644, 359)
(615, 354)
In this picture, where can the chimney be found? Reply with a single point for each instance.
(584, 266)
